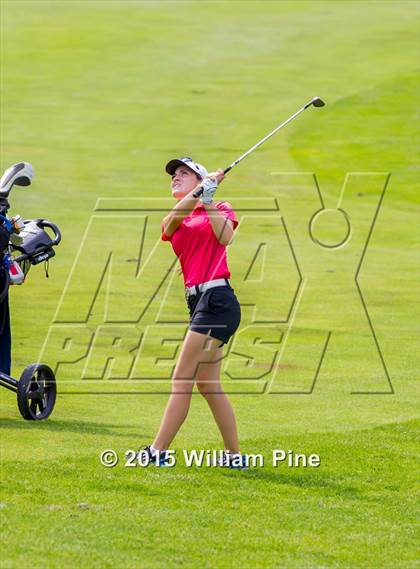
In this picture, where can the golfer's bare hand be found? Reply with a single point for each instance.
(218, 176)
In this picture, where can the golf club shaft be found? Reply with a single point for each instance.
(269, 135)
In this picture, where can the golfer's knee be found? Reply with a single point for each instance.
(182, 386)
(208, 387)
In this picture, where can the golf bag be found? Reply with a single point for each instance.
(23, 243)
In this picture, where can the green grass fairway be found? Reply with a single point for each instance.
(98, 96)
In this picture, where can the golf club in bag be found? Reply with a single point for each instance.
(24, 243)
(316, 102)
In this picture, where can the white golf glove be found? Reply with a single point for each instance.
(209, 188)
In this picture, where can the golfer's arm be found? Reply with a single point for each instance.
(222, 227)
(183, 208)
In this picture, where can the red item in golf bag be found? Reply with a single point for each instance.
(16, 274)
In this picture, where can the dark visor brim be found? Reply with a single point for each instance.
(172, 165)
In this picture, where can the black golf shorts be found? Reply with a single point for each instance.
(215, 312)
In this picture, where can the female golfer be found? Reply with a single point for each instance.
(199, 230)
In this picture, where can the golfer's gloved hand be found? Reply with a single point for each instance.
(209, 188)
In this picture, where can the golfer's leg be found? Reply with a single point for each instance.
(196, 348)
(208, 383)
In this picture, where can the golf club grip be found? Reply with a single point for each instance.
(200, 191)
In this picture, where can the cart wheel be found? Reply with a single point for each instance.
(36, 392)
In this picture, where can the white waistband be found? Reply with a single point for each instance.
(204, 286)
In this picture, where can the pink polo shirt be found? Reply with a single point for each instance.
(201, 255)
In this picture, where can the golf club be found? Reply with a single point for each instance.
(316, 102)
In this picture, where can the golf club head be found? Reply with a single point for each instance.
(20, 174)
(316, 102)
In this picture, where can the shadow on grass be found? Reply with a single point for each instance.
(306, 480)
(87, 427)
